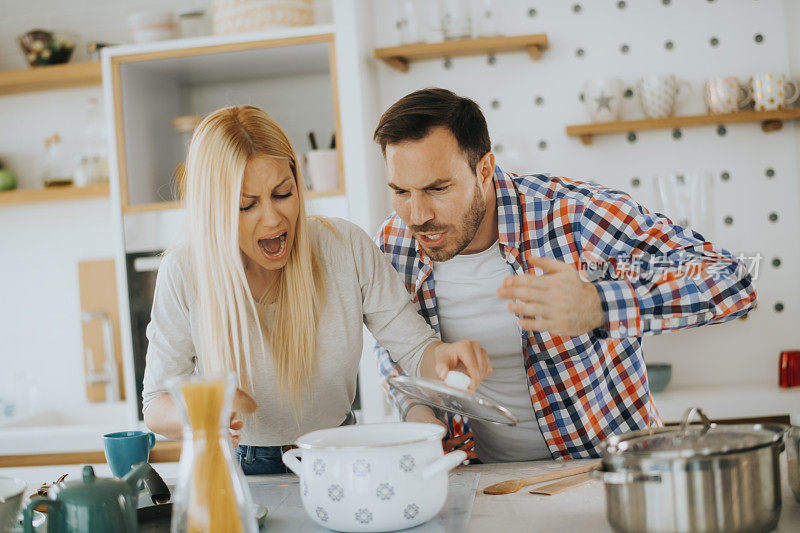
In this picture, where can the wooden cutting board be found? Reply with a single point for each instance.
(98, 292)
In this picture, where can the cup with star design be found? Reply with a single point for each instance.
(603, 99)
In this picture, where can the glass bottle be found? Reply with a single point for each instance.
(212, 494)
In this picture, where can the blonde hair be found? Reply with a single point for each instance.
(220, 148)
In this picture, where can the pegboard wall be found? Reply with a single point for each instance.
(755, 174)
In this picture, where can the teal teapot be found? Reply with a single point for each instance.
(91, 504)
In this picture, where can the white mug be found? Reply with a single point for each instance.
(659, 94)
(770, 91)
(322, 169)
(603, 99)
(726, 95)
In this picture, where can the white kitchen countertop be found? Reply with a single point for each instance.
(48, 434)
(581, 509)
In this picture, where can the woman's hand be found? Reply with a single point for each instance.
(464, 356)
(236, 425)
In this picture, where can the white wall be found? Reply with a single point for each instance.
(743, 351)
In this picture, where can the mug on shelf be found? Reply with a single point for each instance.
(770, 91)
(322, 169)
(659, 95)
(726, 95)
(603, 99)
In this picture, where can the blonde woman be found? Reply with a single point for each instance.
(260, 289)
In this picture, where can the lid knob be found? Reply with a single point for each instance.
(88, 474)
(457, 380)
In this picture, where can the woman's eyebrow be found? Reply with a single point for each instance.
(284, 180)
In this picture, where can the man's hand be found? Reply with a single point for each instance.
(559, 302)
(423, 413)
(464, 356)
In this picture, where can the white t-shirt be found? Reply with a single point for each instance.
(469, 308)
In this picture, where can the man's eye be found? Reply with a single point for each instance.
(247, 208)
(399, 192)
(282, 196)
(438, 189)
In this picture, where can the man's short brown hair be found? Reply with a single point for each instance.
(413, 116)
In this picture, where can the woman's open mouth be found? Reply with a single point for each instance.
(274, 247)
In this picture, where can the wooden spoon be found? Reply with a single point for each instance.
(513, 485)
(243, 402)
(563, 485)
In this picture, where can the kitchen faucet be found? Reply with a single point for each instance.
(109, 374)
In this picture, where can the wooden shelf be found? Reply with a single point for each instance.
(148, 208)
(53, 194)
(399, 57)
(51, 77)
(770, 121)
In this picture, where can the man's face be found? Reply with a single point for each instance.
(436, 193)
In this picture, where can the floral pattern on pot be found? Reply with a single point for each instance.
(335, 492)
(384, 491)
(361, 468)
(319, 467)
(363, 516)
(407, 463)
(411, 511)
(305, 488)
(322, 514)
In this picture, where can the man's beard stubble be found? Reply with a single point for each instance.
(472, 221)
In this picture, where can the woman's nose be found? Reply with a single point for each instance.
(269, 216)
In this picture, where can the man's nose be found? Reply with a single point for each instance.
(420, 211)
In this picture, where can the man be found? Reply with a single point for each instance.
(557, 279)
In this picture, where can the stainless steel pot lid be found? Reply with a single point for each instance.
(459, 401)
(689, 440)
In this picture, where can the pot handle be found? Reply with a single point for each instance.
(290, 460)
(623, 478)
(53, 511)
(444, 464)
(687, 416)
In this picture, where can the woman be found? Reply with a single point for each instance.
(259, 289)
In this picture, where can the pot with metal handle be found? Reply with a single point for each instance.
(793, 455)
(705, 478)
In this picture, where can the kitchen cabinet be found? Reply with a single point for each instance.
(292, 78)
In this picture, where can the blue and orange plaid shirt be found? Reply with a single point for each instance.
(651, 276)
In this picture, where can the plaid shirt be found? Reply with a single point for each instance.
(650, 274)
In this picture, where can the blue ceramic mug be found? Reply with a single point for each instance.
(126, 448)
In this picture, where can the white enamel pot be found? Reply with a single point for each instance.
(373, 477)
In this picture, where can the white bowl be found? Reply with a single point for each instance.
(373, 477)
(11, 494)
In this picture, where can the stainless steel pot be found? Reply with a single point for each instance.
(793, 455)
(693, 478)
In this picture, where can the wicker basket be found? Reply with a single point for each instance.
(242, 16)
